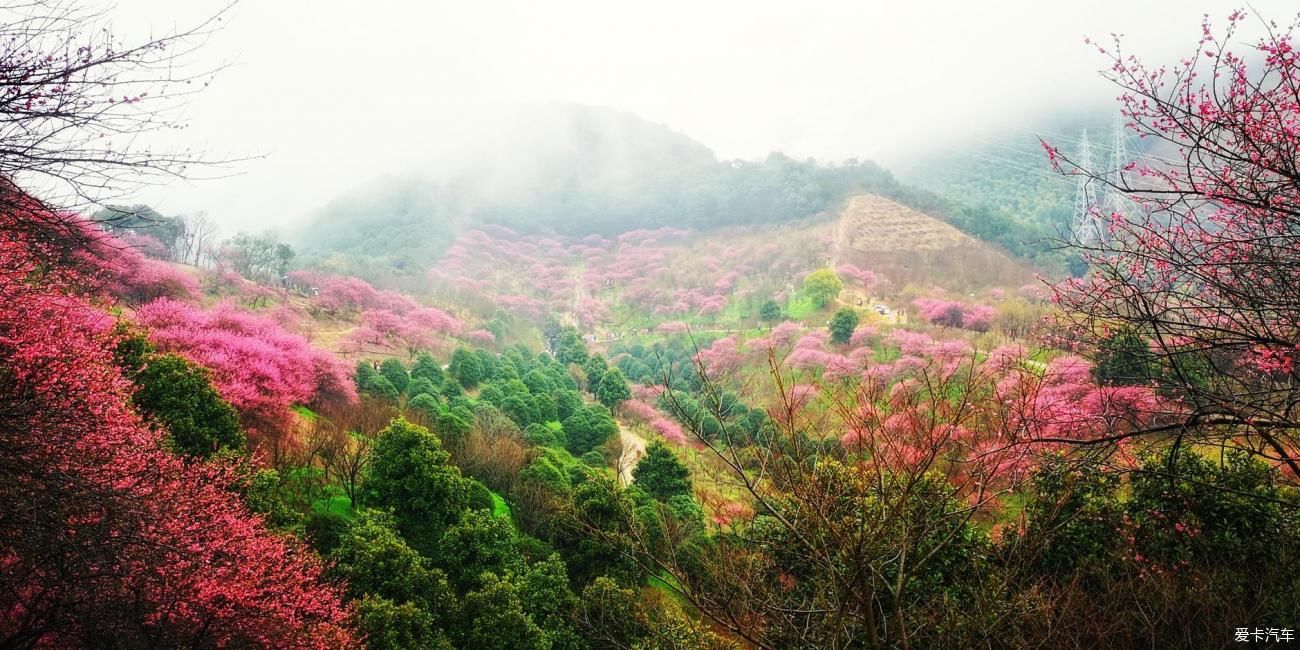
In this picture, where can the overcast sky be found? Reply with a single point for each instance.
(336, 93)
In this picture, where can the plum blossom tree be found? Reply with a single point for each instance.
(111, 539)
(951, 313)
(256, 365)
(1202, 265)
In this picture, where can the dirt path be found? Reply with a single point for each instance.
(633, 450)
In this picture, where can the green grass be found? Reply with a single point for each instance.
(887, 354)
(499, 506)
(305, 413)
(666, 583)
(801, 307)
(337, 504)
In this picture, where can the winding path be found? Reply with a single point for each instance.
(633, 451)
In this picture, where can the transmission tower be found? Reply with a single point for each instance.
(1116, 201)
(1085, 227)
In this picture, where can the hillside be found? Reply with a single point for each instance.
(877, 233)
(716, 278)
(577, 171)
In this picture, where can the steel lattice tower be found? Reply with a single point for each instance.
(1085, 227)
(1116, 201)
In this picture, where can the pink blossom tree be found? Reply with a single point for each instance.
(107, 536)
(256, 365)
(1202, 260)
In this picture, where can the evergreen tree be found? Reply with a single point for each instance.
(589, 428)
(571, 348)
(395, 373)
(842, 325)
(178, 395)
(479, 543)
(426, 367)
(661, 474)
(465, 367)
(594, 369)
(1123, 359)
(613, 389)
(410, 474)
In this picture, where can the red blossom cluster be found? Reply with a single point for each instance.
(410, 329)
(256, 365)
(951, 313)
(109, 539)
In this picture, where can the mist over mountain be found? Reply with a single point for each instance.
(580, 170)
(612, 326)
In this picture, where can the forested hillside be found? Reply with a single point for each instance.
(610, 393)
(578, 170)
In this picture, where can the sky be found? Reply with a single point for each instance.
(328, 94)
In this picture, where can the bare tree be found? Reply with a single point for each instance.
(77, 107)
(200, 230)
(347, 458)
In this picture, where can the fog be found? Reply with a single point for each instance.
(331, 94)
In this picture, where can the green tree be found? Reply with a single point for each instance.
(769, 312)
(480, 497)
(547, 471)
(323, 530)
(426, 405)
(365, 373)
(842, 325)
(426, 367)
(488, 365)
(405, 601)
(495, 619)
(594, 369)
(466, 368)
(263, 491)
(421, 386)
(545, 407)
(599, 504)
(612, 389)
(822, 286)
(409, 474)
(548, 600)
(479, 543)
(1123, 359)
(539, 435)
(132, 349)
(398, 626)
(538, 382)
(452, 426)
(520, 409)
(374, 559)
(179, 396)
(567, 402)
(613, 612)
(661, 474)
(379, 387)
(395, 372)
(589, 428)
(571, 348)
